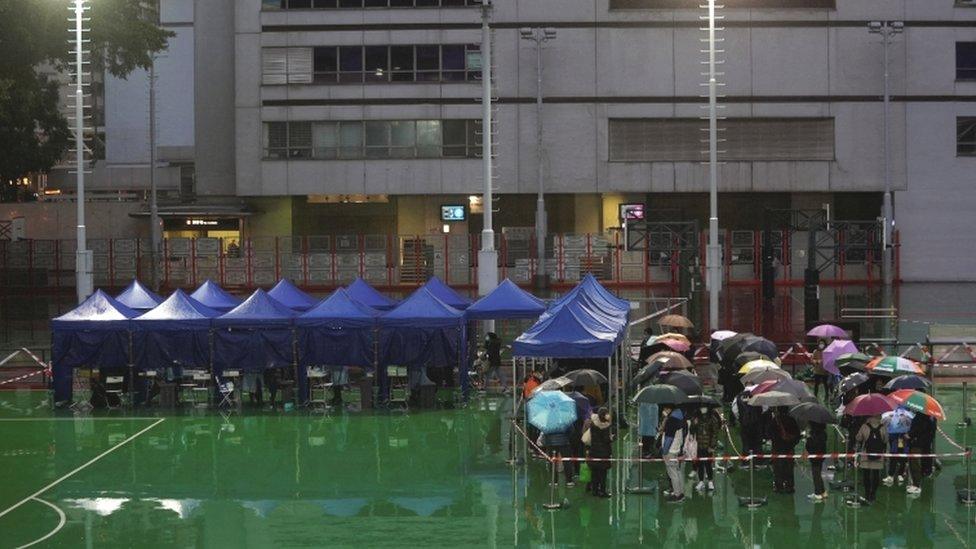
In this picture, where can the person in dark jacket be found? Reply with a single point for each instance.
(707, 427)
(493, 351)
(784, 434)
(921, 439)
(601, 449)
(817, 444)
(558, 446)
(751, 425)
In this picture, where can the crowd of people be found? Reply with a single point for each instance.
(696, 429)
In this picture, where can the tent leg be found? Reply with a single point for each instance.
(640, 488)
(552, 505)
(854, 500)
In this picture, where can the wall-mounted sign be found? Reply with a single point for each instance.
(453, 212)
(194, 222)
(632, 212)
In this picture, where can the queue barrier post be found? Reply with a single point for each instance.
(552, 505)
(752, 502)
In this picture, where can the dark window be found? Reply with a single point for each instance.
(351, 64)
(372, 139)
(455, 138)
(428, 63)
(322, 4)
(401, 3)
(452, 63)
(966, 136)
(300, 140)
(375, 3)
(377, 64)
(685, 4)
(299, 4)
(276, 140)
(965, 60)
(426, 3)
(377, 139)
(351, 139)
(350, 3)
(401, 61)
(325, 65)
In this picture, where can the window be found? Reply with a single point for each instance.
(685, 4)
(325, 66)
(372, 139)
(351, 64)
(746, 139)
(966, 136)
(286, 66)
(369, 64)
(965, 60)
(327, 4)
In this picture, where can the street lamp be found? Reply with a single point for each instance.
(714, 268)
(540, 36)
(887, 29)
(487, 256)
(83, 257)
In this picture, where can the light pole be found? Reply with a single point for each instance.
(487, 256)
(887, 29)
(83, 257)
(714, 267)
(155, 232)
(540, 36)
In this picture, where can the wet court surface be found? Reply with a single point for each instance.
(436, 479)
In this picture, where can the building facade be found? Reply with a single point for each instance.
(332, 117)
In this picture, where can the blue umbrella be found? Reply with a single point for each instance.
(898, 421)
(552, 412)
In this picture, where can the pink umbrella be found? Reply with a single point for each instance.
(873, 404)
(836, 348)
(675, 345)
(828, 330)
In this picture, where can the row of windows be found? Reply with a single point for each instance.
(966, 136)
(371, 64)
(965, 60)
(332, 4)
(372, 139)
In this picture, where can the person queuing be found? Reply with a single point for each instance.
(706, 426)
(599, 438)
(649, 419)
(493, 353)
(751, 422)
(558, 446)
(784, 434)
(921, 440)
(672, 434)
(872, 438)
(817, 445)
(820, 375)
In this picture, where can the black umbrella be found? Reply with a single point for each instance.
(812, 412)
(554, 384)
(910, 381)
(729, 348)
(582, 405)
(852, 381)
(760, 345)
(702, 400)
(746, 357)
(646, 373)
(660, 394)
(684, 380)
(586, 377)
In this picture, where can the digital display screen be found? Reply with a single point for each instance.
(632, 212)
(453, 212)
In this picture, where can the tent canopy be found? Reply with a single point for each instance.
(177, 312)
(287, 294)
(215, 297)
(361, 291)
(259, 309)
(444, 293)
(137, 296)
(99, 311)
(506, 301)
(177, 332)
(339, 310)
(423, 309)
(339, 331)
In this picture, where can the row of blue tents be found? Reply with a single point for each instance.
(354, 326)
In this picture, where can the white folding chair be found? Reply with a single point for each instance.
(114, 387)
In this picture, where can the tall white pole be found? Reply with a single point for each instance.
(154, 232)
(488, 256)
(541, 277)
(714, 251)
(888, 213)
(83, 274)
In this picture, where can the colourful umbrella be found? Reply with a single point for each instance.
(893, 366)
(552, 411)
(676, 321)
(837, 348)
(828, 330)
(677, 337)
(873, 404)
(760, 363)
(674, 345)
(920, 402)
(898, 421)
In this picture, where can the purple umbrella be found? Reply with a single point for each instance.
(873, 404)
(836, 348)
(828, 330)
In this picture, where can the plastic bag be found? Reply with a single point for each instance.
(585, 475)
(691, 447)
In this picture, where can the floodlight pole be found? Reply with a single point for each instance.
(714, 268)
(487, 256)
(83, 257)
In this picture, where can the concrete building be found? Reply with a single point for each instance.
(326, 117)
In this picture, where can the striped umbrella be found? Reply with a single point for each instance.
(920, 402)
(893, 366)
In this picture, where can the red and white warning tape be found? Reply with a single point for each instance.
(21, 378)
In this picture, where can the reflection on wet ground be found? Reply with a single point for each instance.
(430, 478)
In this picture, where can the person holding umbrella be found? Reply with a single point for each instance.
(601, 450)
(816, 416)
(898, 423)
(871, 439)
(784, 434)
(706, 426)
(672, 436)
(819, 373)
(750, 418)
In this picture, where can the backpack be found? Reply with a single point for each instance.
(875, 443)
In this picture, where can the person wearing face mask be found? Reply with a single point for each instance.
(820, 375)
(706, 426)
(672, 433)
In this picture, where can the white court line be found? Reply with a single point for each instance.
(79, 468)
(5, 419)
(61, 520)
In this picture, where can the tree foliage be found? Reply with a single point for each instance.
(33, 37)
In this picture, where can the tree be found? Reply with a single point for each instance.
(34, 135)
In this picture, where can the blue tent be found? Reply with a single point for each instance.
(574, 330)
(287, 294)
(94, 334)
(444, 293)
(255, 335)
(506, 301)
(137, 296)
(175, 333)
(339, 331)
(424, 331)
(215, 297)
(592, 286)
(598, 296)
(361, 291)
